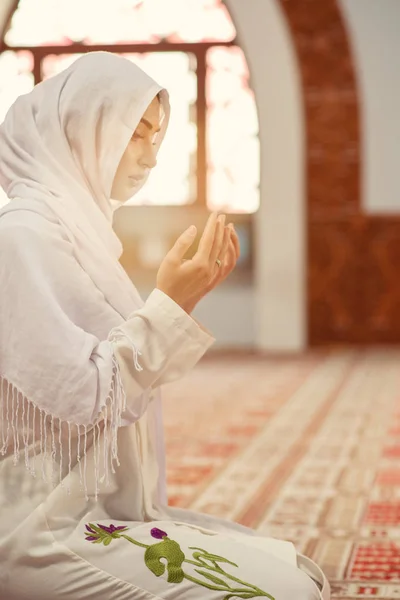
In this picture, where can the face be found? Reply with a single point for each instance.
(140, 156)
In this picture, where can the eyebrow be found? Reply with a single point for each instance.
(149, 125)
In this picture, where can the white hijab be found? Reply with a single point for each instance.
(62, 143)
(60, 147)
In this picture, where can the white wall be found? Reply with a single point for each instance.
(374, 28)
(279, 295)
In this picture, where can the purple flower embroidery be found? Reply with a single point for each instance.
(91, 538)
(112, 528)
(158, 533)
(102, 534)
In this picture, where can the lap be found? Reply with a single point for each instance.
(177, 561)
(159, 560)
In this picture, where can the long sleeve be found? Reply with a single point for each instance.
(70, 365)
(68, 362)
(162, 340)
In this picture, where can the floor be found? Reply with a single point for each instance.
(305, 449)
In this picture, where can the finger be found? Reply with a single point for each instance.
(218, 240)
(207, 239)
(182, 244)
(227, 256)
(231, 259)
(224, 249)
(225, 243)
(228, 264)
(236, 242)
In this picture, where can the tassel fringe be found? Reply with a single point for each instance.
(58, 445)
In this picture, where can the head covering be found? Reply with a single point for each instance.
(60, 147)
(62, 143)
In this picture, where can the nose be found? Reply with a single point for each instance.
(148, 160)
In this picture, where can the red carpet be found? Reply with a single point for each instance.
(305, 449)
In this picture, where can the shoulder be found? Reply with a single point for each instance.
(34, 246)
(35, 253)
(23, 228)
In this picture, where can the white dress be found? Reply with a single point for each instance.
(76, 536)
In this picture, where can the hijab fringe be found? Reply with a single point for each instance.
(48, 436)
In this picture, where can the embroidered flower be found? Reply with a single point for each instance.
(167, 556)
(158, 533)
(101, 534)
(93, 537)
(112, 528)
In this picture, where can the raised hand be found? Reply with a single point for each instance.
(188, 281)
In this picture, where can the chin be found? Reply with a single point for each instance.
(124, 198)
(121, 197)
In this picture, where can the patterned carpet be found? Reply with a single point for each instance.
(305, 449)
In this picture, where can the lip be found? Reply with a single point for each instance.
(136, 179)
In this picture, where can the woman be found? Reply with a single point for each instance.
(83, 497)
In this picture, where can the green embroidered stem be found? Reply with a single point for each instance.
(226, 585)
(254, 588)
(234, 593)
(199, 563)
(242, 596)
(132, 541)
(217, 569)
(207, 585)
(252, 593)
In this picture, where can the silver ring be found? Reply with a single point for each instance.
(219, 263)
